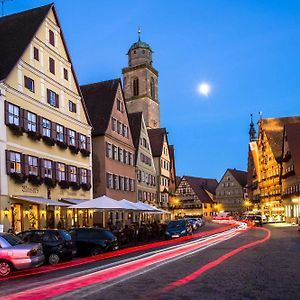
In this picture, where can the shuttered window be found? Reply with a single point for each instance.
(14, 162)
(59, 133)
(84, 176)
(31, 122)
(13, 114)
(61, 172)
(71, 137)
(73, 174)
(46, 128)
(47, 168)
(33, 168)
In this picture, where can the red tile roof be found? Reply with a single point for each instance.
(99, 98)
(240, 176)
(201, 186)
(156, 137)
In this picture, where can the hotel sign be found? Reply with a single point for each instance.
(29, 189)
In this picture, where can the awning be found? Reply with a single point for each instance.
(102, 203)
(40, 200)
(74, 201)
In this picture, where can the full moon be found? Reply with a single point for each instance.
(204, 88)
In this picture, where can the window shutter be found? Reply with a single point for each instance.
(88, 144)
(42, 168)
(48, 96)
(89, 175)
(6, 116)
(56, 170)
(57, 100)
(25, 122)
(22, 164)
(40, 125)
(25, 164)
(8, 170)
(67, 136)
(77, 140)
(78, 179)
(22, 113)
(53, 170)
(53, 130)
(69, 172)
(38, 161)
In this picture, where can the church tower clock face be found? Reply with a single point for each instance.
(140, 82)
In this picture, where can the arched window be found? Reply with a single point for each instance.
(152, 88)
(135, 87)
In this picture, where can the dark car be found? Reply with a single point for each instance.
(93, 241)
(57, 244)
(178, 228)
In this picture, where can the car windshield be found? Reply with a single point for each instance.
(12, 239)
(66, 235)
(174, 224)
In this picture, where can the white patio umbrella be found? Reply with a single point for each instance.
(129, 205)
(102, 203)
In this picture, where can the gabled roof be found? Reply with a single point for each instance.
(293, 139)
(99, 98)
(16, 32)
(135, 122)
(273, 128)
(201, 186)
(156, 137)
(240, 176)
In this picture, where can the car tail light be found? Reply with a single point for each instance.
(32, 252)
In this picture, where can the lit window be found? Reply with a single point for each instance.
(61, 172)
(13, 114)
(31, 122)
(15, 162)
(32, 165)
(46, 128)
(47, 168)
(73, 174)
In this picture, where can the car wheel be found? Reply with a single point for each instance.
(53, 259)
(96, 251)
(5, 268)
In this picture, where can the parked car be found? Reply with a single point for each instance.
(93, 241)
(178, 228)
(193, 222)
(57, 244)
(16, 255)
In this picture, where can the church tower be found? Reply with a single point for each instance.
(140, 83)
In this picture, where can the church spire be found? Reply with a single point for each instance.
(252, 131)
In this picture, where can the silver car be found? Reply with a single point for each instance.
(16, 255)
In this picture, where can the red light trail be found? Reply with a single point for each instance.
(61, 287)
(103, 256)
(214, 263)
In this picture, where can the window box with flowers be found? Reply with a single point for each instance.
(16, 129)
(74, 149)
(75, 186)
(61, 144)
(18, 177)
(64, 184)
(35, 136)
(48, 140)
(35, 179)
(49, 182)
(86, 186)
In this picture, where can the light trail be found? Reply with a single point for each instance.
(61, 287)
(118, 253)
(214, 263)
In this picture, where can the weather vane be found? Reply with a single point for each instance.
(2, 4)
(139, 33)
